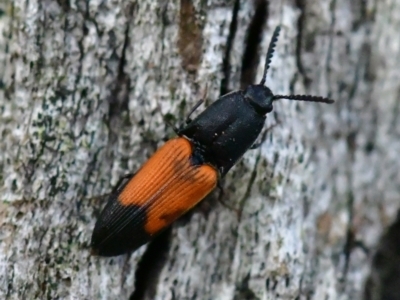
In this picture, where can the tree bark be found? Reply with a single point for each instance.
(83, 88)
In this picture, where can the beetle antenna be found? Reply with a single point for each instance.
(307, 98)
(270, 53)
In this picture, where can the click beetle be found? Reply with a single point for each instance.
(186, 168)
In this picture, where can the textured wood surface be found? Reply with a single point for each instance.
(82, 85)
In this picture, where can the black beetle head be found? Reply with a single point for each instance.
(260, 97)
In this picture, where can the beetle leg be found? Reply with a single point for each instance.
(220, 200)
(196, 106)
(187, 120)
(264, 135)
(121, 182)
(256, 145)
(221, 189)
(262, 139)
(174, 128)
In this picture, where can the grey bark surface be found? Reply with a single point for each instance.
(82, 85)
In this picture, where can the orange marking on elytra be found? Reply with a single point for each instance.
(168, 185)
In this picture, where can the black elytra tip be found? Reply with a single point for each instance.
(119, 229)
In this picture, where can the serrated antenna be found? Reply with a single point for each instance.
(270, 53)
(307, 98)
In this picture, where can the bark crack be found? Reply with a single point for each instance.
(119, 96)
(301, 21)
(190, 41)
(226, 63)
(150, 266)
(251, 55)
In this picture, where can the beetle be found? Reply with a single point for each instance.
(187, 168)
